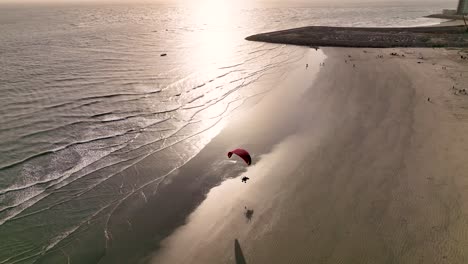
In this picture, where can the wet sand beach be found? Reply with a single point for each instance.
(367, 166)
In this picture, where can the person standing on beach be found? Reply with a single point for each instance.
(307, 65)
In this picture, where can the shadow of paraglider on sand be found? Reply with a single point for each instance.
(238, 253)
(248, 214)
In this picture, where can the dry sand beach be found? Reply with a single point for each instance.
(367, 170)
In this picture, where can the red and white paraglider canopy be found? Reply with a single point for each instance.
(241, 153)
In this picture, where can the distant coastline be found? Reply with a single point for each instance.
(445, 16)
(436, 36)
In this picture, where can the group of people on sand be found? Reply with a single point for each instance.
(396, 54)
(459, 91)
(321, 64)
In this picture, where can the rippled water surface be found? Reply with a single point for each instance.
(86, 94)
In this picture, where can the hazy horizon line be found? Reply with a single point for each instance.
(329, 3)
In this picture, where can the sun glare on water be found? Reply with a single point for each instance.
(218, 22)
(218, 12)
(215, 41)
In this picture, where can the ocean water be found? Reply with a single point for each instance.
(93, 119)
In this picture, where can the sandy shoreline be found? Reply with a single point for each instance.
(372, 172)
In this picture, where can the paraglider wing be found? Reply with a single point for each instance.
(241, 153)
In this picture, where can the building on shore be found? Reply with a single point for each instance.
(459, 13)
(462, 7)
(449, 12)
